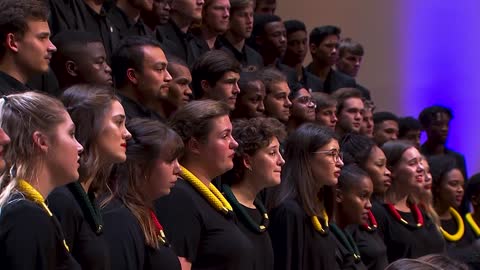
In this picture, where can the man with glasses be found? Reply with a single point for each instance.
(303, 107)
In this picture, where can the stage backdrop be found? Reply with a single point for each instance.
(418, 53)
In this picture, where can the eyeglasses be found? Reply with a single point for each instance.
(335, 154)
(309, 101)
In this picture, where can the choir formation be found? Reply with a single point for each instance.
(188, 134)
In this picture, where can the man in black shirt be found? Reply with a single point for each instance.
(159, 15)
(323, 42)
(80, 58)
(215, 76)
(174, 35)
(350, 56)
(241, 26)
(265, 6)
(125, 16)
(84, 15)
(25, 49)
(215, 21)
(385, 127)
(295, 54)
(140, 73)
(349, 111)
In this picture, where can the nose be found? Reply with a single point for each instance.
(188, 91)
(168, 77)
(200, 2)
(167, 6)
(4, 138)
(368, 205)
(281, 161)
(108, 69)
(176, 167)
(387, 172)
(261, 107)
(288, 103)
(394, 136)
(51, 47)
(79, 147)
(283, 38)
(126, 134)
(420, 167)
(339, 162)
(233, 143)
(249, 20)
(235, 89)
(334, 118)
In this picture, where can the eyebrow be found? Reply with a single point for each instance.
(161, 64)
(121, 116)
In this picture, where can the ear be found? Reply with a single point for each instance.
(338, 196)
(313, 48)
(194, 146)
(41, 141)
(71, 68)
(11, 42)
(247, 163)
(205, 87)
(132, 76)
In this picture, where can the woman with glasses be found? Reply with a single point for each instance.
(303, 203)
(303, 108)
(407, 230)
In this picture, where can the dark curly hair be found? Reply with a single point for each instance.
(251, 135)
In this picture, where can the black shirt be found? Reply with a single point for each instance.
(406, 242)
(127, 242)
(459, 158)
(125, 26)
(335, 80)
(345, 256)
(205, 237)
(175, 42)
(30, 238)
(372, 249)
(250, 59)
(296, 243)
(135, 110)
(89, 249)
(10, 85)
(77, 15)
(451, 227)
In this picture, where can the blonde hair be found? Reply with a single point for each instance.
(20, 116)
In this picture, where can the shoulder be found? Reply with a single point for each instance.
(21, 211)
(289, 208)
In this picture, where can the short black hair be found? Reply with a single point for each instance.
(406, 124)
(429, 114)
(293, 26)
(71, 45)
(343, 94)
(380, 117)
(14, 17)
(211, 66)
(356, 148)
(247, 77)
(129, 54)
(318, 34)
(236, 5)
(259, 23)
(348, 45)
(439, 167)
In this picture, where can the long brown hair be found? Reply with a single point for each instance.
(298, 181)
(20, 116)
(151, 140)
(88, 105)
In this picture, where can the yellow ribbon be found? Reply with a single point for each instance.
(316, 223)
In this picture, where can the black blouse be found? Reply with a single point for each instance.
(406, 242)
(372, 249)
(451, 227)
(127, 242)
(296, 243)
(345, 256)
(30, 238)
(89, 249)
(205, 237)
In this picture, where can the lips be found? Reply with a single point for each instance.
(124, 145)
(420, 178)
(387, 182)
(337, 174)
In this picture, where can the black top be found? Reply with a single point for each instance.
(372, 249)
(451, 227)
(125, 26)
(88, 248)
(30, 238)
(344, 255)
(205, 237)
(296, 243)
(10, 85)
(336, 80)
(127, 242)
(135, 110)
(175, 42)
(250, 59)
(365, 92)
(262, 244)
(311, 82)
(199, 45)
(77, 15)
(459, 158)
(405, 242)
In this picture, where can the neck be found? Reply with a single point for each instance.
(42, 182)
(209, 36)
(198, 170)
(97, 7)
(146, 102)
(268, 58)
(399, 200)
(435, 148)
(181, 21)
(246, 191)
(442, 211)
(12, 69)
(86, 184)
(160, 108)
(236, 41)
(131, 12)
(378, 197)
(319, 70)
(292, 125)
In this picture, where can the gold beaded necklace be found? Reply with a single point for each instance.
(210, 193)
(317, 225)
(33, 195)
(461, 228)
